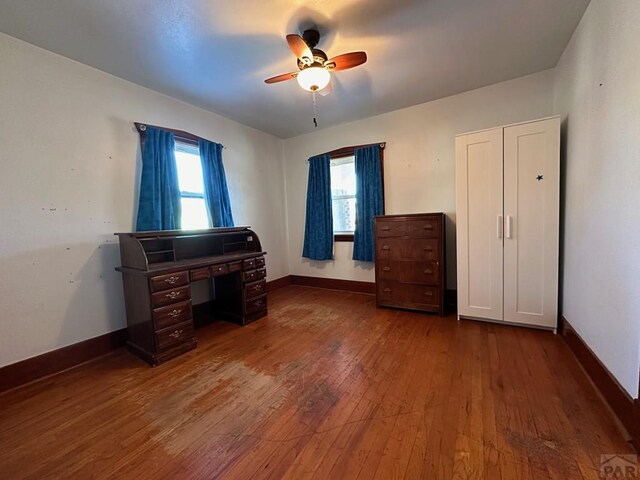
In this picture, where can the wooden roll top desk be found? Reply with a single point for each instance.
(157, 270)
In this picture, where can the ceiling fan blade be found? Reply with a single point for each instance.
(326, 90)
(299, 48)
(346, 61)
(281, 78)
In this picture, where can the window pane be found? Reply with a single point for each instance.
(343, 177)
(344, 214)
(194, 214)
(189, 169)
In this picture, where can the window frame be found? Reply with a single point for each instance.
(351, 152)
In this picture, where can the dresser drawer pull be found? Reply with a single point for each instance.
(176, 334)
(386, 290)
(428, 227)
(386, 269)
(428, 294)
(172, 280)
(428, 271)
(428, 249)
(173, 295)
(258, 303)
(386, 247)
(386, 229)
(258, 287)
(175, 313)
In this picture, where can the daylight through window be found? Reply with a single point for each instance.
(343, 194)
(194, 210)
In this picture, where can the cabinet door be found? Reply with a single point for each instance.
(531, 193)
(479, 224)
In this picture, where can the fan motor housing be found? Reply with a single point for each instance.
(319, 59)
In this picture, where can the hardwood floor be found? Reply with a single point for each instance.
(325, 387)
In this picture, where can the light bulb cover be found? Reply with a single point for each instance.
(313, 78)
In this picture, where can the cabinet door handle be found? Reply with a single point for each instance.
(499, 227)
(508, 227)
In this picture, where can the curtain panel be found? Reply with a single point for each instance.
(159, 201)
(216, 194)
(318, 228)
(369, 200)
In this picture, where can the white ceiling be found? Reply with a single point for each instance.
(216, 53)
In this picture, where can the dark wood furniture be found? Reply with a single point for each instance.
(157, 270)
(410, 261)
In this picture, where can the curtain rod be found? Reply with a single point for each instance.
(179, 134)
(348, 151)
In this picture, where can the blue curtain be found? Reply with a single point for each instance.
(216, 194)
(369, 200)
(318, 227)
(159, 203)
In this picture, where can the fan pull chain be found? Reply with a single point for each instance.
(315, 111)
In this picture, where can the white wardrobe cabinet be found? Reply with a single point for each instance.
(507, 222)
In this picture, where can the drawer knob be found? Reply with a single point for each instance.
(386, 269)
(428, 271)
(172, 294)
(175, 313)
(387, 290)
(220, 269)
(172, 280)
(386, 247)
(176, 334)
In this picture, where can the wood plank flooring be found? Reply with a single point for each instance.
(325, 387)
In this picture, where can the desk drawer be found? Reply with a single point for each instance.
(249, 264)
(168, 297)
(166, 316)
(235, 266)
(171, 280)
(175, 334)
(427, 228)
(252, 290)
(200, 273)
(260, 262)
(255, 304)
(217, 270)
(255, 275)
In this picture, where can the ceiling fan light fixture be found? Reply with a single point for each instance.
(313, 78)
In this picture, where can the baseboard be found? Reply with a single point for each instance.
(278, 283)
(335, 284)
(31, 369)
(624, 407)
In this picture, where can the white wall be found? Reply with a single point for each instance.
(70, 164)
(419, 160)
(598, 95)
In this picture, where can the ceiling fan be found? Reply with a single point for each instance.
(314, 65)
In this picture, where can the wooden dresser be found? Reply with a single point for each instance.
(410, 261)
(157, 271)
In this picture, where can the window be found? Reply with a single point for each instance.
(343, 196)
(194, 210)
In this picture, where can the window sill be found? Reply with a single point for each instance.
(343, 237)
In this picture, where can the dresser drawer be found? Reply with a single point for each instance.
(166, 316)
(427, 228)
(408, 295)
(174, 334)
(417, 249)
(217, 270)
(168, 297)
(260, 262)
(171, 280)
(408, 271)
(255, 289)
(255, 304)
(200, 273)
(255, 275)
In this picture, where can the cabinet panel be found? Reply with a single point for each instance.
(479, 224)
(531, 197)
